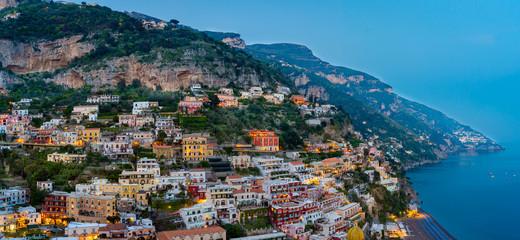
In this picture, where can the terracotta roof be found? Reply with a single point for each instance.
(234, 176)
(258, 190)
(239, 191)
(112, 227)
(330, 160)
(91, 129)
(168, 235)
(296, 163)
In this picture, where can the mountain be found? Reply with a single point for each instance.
(77, 45)
(310, 74)
(89, 45)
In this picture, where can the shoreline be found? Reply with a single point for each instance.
(425, 227)
(471, 152)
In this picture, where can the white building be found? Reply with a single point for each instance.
(162, 182)
(45, 185)
(271, 166)
(197, 175)
(199, 216)
(221, 197)
(296, 166)
(140, 107)
(149, 164)
(195, 87)
(243, 161)
(256, 92)
(66, 158)
(350, 211)
(78, 229)
(29, 213)
(14, 196)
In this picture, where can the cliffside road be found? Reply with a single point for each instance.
(425, 227)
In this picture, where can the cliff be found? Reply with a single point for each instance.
(42, 56)
(8, 3)
(101, 47)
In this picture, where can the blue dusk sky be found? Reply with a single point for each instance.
(459, 57)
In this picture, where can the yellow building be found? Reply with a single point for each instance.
(145, 181)
(90, 134)
(91, 208)
(129, 191)
(123, 190)
(196, 149)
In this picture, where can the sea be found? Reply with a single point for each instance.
(473, 195)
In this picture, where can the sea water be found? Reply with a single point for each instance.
(466, 200)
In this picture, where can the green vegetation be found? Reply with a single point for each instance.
(234, 231)
(115, 34)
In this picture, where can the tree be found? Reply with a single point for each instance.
(121, 85)
(136, 83)
(234, 231)
(366, 152)
(161, 135)
(37, 122)
(114, 219)
(182, 194)
(174, 21)
(203, 164)
(228, 150)
(214, 101)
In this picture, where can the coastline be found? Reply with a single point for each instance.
(425, 227)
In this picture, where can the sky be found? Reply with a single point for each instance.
(459, 57)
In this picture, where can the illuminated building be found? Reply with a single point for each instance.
(265, 140)
(227, 101)
(196, 149)
(90, 208)
(199, 215)
(66, 158)
(190, 106)
(90, 134)
(54, 208)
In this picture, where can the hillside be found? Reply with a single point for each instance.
(78, 45)
(92, 46)
(299, 64)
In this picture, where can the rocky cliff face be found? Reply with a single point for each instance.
(167, 76)
(235, 42)
(8, 3)
(6, 79)
(24, 58)
(46, 56)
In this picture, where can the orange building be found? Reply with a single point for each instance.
(299, 99)
(265, 140)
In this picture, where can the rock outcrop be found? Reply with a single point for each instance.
(48, 56)
(235, 42)
(45, 56)
(167, 76)
(8, 3)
